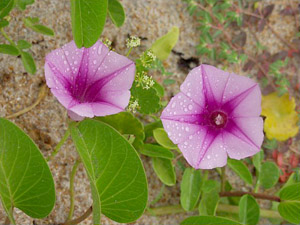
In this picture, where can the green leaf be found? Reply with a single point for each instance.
(117, 177)
(5, 7)
(291, 192)
(148, 99)
(22, 44)
(290, 211)
(9, 49)
(257, 159)
(156, 151)
(169, 81)
(32, 24)
(240, 169)
(28, 62)
(208, 220)
(209, 202)
(190, 188)
(289, 207)
(249, 210)
(165, 171)
(210, 185)
(163, 46)
(269, 175)
(152, 126)
(25, 178)
(126, 123)
(3, 23)
(116, 12)
(23, 3)
(159, 88)
(88, 19)
(162, 138)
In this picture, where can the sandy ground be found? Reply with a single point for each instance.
(46, 123)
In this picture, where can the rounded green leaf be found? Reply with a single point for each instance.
(116, 12)
(5, 7)
(156, 151)
(208, 220)
(28, 62)
(190, 188)
(23, 3)
(290, 211)
(289, 208)
(240, 169)
(126, 123)
(163, 46)
(249, 210)
(269, 174)
(88, 19)
(209, 202)
(117, 177)
(162, 138)
(165, 171)
(9, 49)
(22, 44)
(25, 178)
(257, 159)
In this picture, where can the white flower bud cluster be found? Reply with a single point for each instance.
(133, 105)
(133, 42)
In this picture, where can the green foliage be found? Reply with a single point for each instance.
(148, 99)
(25, 178)
(23, 3)
(5, 7)
(28, 62)
(163, 46)
(9, 49)
(33, 24)
(116, 12)
(271, 144)
(117, 177)
(257, 160)
(289, 207)
(249, 210)
(208, 220)
(162, 138)
(22, 44)
(190, 188)
(156, 151)
(241, 170)
(269, 175)
(209, 200)
(165, 170)
(88, 19)
(126, 123)
(275, 70)
(152, 126)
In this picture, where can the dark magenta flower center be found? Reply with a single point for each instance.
(218, 119)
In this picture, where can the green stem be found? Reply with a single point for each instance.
(172, 209)
(72, 194)
(223, 178)
(7, 38)
(81, 218)
(59, 145)
(128, 52)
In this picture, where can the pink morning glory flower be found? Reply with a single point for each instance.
(91, 81)
(216, 114)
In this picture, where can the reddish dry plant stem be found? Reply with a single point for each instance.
(255, 195)
(236, 48)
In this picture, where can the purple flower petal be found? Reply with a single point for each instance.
(215, 114)
(89, 81)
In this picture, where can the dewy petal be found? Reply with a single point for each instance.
(180, 105)
(193, 86)
(244, 137)
(215, 81)
(247, 104)
(204, 150)
(89, 81)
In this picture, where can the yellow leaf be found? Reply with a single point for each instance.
(281, 117)
(163, 46)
